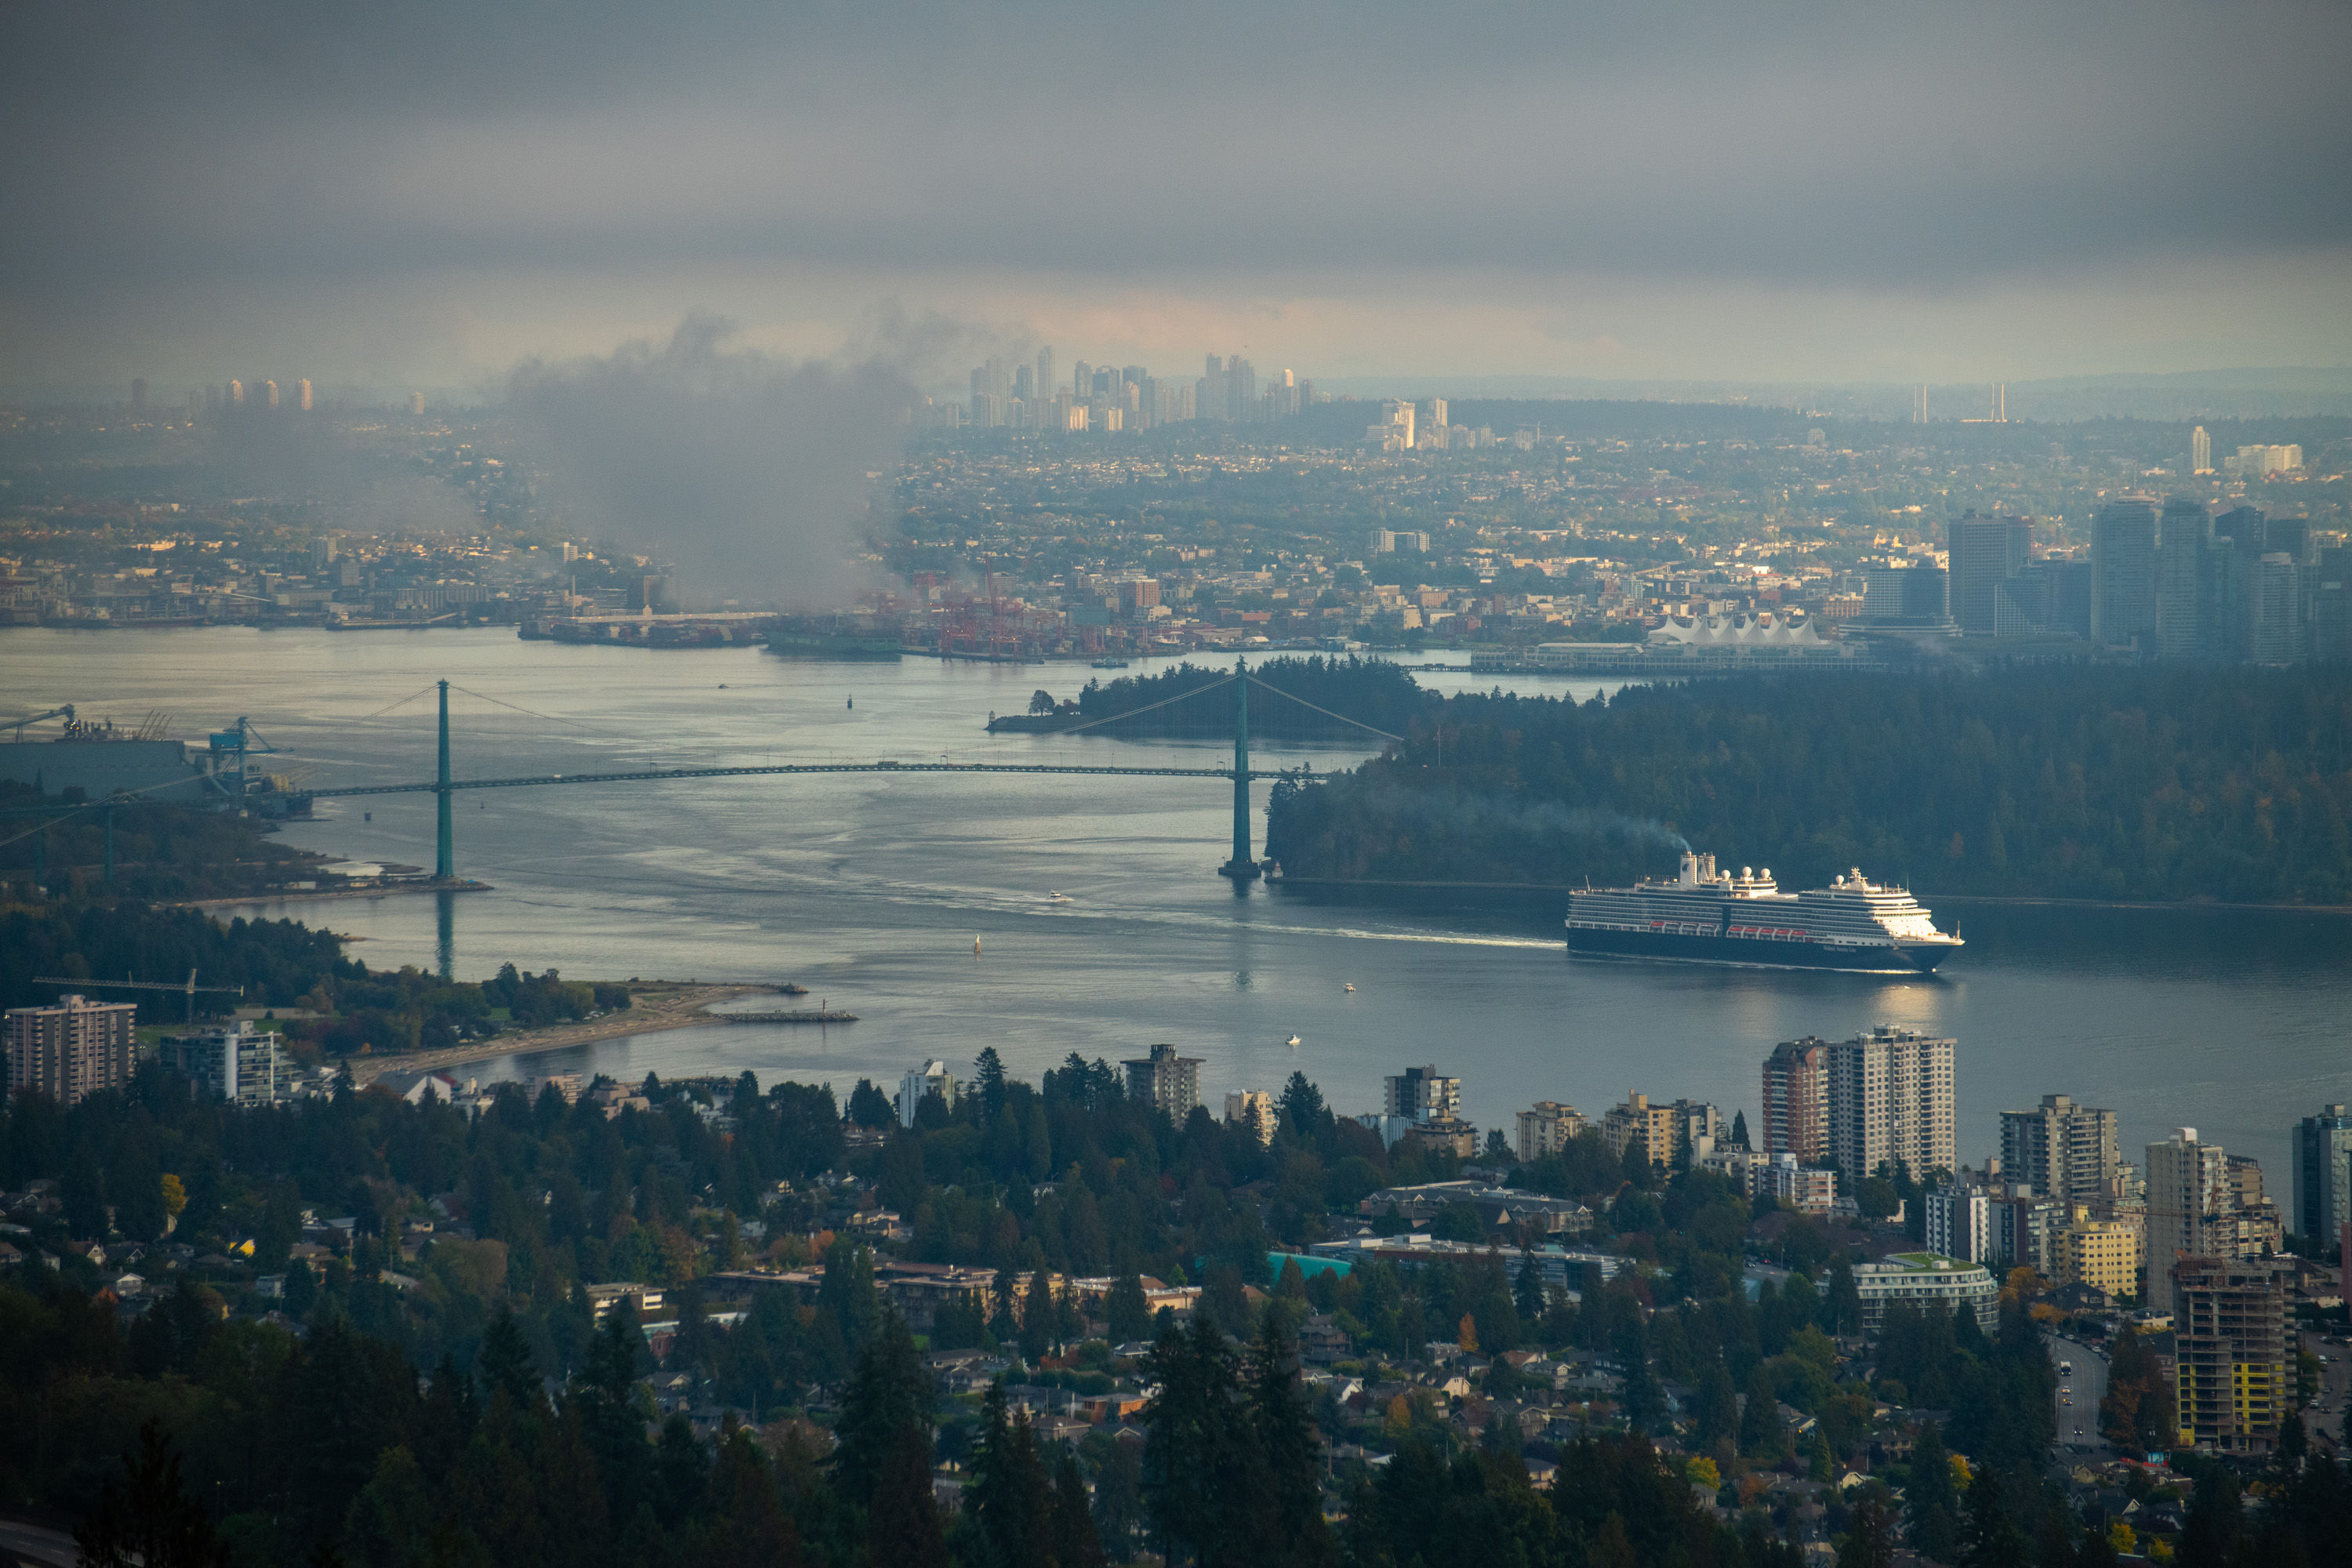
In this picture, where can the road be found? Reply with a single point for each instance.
(2080, 1392)
(37, 1543)
(2335, 1385)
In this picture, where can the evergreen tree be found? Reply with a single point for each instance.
(83, 1192)
(1129, 1315)
(1870, 1537)
(1070, 1525)
(847, 1294)
(1006, 1496)
(1762, 1434)
(988, 1084)
(1301, 1112)
(1739, 1129)
(1842, 1302)
(1990, 1537)
(1289, 1472)
(1718, 1405)
(504, 1364)
(606, 1403)
(1527, 1288)
(889, 1396)
(903, 1524)
(147, 1515)
(1036, 1319)
(1197, 1455)
(1930, 1498)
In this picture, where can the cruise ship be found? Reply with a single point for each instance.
(1704, 917)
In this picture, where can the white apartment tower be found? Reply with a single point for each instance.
(931, 1077)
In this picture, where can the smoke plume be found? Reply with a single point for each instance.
(752, 473)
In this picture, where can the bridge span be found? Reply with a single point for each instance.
(1242, 866)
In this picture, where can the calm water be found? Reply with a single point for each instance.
(870, 890)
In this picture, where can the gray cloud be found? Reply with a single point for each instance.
(1732, 145)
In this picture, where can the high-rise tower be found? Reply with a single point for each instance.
(2123, 573)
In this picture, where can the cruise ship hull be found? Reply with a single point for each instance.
(1757, 951)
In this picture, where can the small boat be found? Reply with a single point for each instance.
(1292, 1042)
(1110, 664)
(975, 947)
(1054, 898)
(1350, 987)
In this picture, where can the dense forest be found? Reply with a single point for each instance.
(448, 1395)
(158, 851)
(2089, 783)
(337, 1005)
(1369, 690)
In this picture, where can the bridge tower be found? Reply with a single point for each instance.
(1241, 868)
(444, 853)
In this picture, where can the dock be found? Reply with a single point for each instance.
(797, 1016)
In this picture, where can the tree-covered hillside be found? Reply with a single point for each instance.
(1370, 690)
(2231, 784)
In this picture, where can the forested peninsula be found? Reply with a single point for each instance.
(1188, 699)
(2159, 785)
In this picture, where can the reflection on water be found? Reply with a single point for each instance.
(869, 888)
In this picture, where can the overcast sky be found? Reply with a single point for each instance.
(425, 193)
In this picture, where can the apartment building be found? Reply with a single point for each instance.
(1877, 1098)
(2063, 1152)
(2231, 1385)
(70, 1052)
(1166, 1079)
(1547, 1130)
(2104, 1254)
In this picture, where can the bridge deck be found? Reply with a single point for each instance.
(428, 786)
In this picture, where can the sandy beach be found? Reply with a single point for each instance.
(654, 1006)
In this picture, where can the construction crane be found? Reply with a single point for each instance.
(65, 712)
(189, 986)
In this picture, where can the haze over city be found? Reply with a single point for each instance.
(1259, 786)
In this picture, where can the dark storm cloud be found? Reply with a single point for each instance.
(1874, 145)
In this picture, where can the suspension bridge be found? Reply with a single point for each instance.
(1241, 866)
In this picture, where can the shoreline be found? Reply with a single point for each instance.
(330, 895)
(2021, 900)
(654, 1008)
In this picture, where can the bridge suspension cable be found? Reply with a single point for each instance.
(1217, 685)
(1343, 719)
